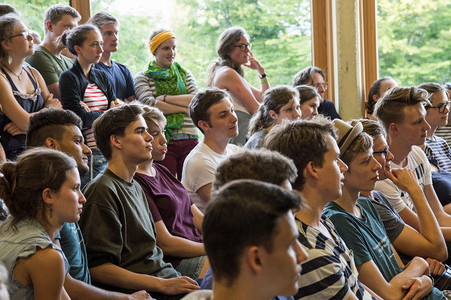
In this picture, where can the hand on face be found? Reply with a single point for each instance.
(404, 179)
(254, 64)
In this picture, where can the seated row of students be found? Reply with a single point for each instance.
(135, 149)
(208, 126)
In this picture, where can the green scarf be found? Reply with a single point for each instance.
(170, 82)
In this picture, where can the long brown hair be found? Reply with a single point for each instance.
(224, 46)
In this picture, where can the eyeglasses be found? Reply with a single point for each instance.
(244, 46)
(26, 34)
(441, 107)
(384, 152)
(318, 85)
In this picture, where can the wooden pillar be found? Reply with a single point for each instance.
(369, 53)
(83, 7)
(322, 42)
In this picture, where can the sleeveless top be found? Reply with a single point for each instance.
(14, 145)
(22, 242)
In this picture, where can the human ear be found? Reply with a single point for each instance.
(49, 25)
(253, 259)
(47, 196)
(115, 141)
(77, 49)
(203, 124)
(273, 114)
(50, 143)
(393, 128)
(311, 170)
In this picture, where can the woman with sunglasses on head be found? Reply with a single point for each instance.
(42, 192)
(169, 87)
(22, 89)
(226, 72)
(436, 148)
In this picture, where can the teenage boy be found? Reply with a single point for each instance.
(118, 74)
(329, 272)
(315, 77)
(212, 112)
(116, 222)
(257, 164)
(61, 130)
(359, 224)
(47, 58)
(261, 261)
(402, 112)
(408, 242)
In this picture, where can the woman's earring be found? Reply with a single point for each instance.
(51, 212)
(10, 59)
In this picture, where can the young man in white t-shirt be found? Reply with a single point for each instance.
(402, 112)
(212, 112)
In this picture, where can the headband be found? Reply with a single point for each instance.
(160, 38)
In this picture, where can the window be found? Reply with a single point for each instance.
(280, 32)
(413, 40)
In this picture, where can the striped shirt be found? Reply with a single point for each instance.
(438, 152)
(146, 93)
(96, 101)
(445, 133)
(417, 162)
(329, 271)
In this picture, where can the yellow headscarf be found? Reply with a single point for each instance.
(160, 38)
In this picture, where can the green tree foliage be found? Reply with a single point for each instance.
(32, 12)
(414, 40)
(280, 32)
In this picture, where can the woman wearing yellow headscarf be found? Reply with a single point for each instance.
(170, 87)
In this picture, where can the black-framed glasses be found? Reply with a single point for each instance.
(441, 107)
(26, 34)
(384, 152)
(244, 46)
(318, 85)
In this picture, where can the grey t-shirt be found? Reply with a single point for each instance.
(118, 227)
(393, 223)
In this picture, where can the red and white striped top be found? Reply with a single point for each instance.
(96, 101)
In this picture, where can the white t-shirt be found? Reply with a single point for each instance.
(416, 161)
(199, 169)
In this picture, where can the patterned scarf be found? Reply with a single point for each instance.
(170, 82)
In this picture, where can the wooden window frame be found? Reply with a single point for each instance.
(323, 43)
(322, 40)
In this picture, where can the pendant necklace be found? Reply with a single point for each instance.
(18, 76)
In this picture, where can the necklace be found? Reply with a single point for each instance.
(18, 76)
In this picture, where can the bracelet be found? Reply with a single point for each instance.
(264, 80)
(164, 98)
(262, 76)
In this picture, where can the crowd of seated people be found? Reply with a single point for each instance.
(108, 192)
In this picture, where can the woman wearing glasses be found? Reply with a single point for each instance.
(226, 72)
(169, 87)
(436, 148)
(22, 88)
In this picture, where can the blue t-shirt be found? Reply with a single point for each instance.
(120, 77)
(367, 238)
(73, 246)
